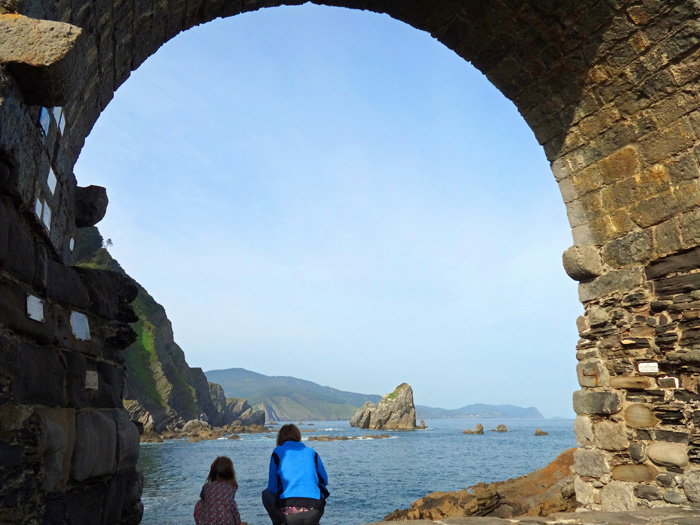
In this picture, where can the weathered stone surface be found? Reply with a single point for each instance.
(668, 454)
(609, 283)
(675, 497)
(586, 494)
(128, 441)
(44, 57)
(691, 484)
(592, 373)
(586, 402)
(582, 262)
(583, 430)
(647, 492)
(617, 495)
(95, 452)
(632, 383)
(592, 463)
(395, 411)
(58, 441)
(640, 416)
(90, 205)
(611, 436)
(638, 451)
(634, 473)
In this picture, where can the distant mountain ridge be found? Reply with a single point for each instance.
(479, 411)
(285, 398)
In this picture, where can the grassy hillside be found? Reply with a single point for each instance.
(287, 398)
(479, 411)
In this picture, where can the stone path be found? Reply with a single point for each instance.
(675, 515)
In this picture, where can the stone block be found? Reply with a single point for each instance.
(592, 373)
(667, 236)
(675, 497)
(630, 382)
(593, 463)
(41, 376)
(691, 484)
(64, 286)
(609, 283)
(44, 56)
(639, 415)
(680, 263)
(586, 493)
(58, 440)
(583, 430)
(95, 452)
(115, 497)
(638, 451)
(618, 496)
(611, 436)
(111, 385)
(90, 205)
(19, 258)
(679, 284)
(634, 473)
(647, 492)
(10, 455)
(85, 506)
(634, 248)
(668, 454)
(586, 402)
(128, 441)
(582, 262)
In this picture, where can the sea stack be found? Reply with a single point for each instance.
(395, 411)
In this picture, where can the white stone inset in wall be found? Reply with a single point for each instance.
(45, 120)
(79, 324)
(46, 216)
(51, 181)
(649, 367)
(38, 207)
(92, 380)
(58, 116)
(71, 244)
(35, 308)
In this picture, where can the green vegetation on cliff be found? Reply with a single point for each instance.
(160, 385)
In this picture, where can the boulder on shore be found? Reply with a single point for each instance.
(540, 493)
(479, 429)
(395, 411)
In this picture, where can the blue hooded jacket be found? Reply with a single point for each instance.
(297, 476)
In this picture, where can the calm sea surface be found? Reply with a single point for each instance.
(367, 478)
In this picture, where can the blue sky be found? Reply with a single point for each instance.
(334, 195)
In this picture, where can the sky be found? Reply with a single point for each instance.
(334, 195)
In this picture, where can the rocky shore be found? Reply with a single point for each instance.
(199, 430)
(346, 438)
(540, 493)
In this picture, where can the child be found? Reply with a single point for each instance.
(217, 505)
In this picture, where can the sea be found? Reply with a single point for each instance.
(368, 478)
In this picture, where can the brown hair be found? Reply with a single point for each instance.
(288, 433)
(222, 470)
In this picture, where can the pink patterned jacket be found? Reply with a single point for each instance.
(217, 505)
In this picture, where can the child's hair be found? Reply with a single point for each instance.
(288, 433)
(222, 470)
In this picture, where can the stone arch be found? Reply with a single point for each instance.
(609, 87)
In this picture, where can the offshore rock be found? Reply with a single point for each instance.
(395, 411)
(540, 493)
(479, 429)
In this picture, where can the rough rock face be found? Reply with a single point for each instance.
(540, 493)
(162, 391)
(479, 429)
(395, 411)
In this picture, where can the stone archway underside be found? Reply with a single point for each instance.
(610, 89)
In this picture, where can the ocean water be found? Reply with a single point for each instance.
(367, 478)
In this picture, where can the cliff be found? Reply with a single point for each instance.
(162, 391)
(540, 493)
(395, 411)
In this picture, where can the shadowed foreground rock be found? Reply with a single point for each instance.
(540, 493)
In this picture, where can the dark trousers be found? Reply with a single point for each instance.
(310, 517)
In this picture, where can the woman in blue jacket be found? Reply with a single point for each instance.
(296, 487)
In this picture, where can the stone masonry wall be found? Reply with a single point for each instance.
(610, 89)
